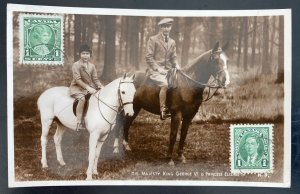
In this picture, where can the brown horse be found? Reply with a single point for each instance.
(184, 97)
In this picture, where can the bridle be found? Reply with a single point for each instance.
(113, 107)
(216, 83)
(123, 104)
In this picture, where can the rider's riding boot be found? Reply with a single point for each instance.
(79, 114)
(164, 112)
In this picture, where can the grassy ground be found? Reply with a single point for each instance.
(207, 151)
(251, 99)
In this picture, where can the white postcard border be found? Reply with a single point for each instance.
(142, 12)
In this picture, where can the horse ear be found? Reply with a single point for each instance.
(133, 76)
(216, 47)
(125, 75)
(225, 46)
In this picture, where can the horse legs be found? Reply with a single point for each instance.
(57, 140)
(94, 136)
(98, 150)
(127, 124)
(175, 124)
(184, 130)
(46, 123)
(119, 126)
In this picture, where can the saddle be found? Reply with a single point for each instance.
(86, 105)
(171, 78)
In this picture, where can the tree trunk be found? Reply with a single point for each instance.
(121, 38)
(253, 41)
(109, 69)
(156, 26)
(174, 34)
(245, 21)
(90, 30)
(280, 72)
(227, 34)
(186, 40)
(272, 40)
(213, 31)
(83, 29)
(141, 49)
(77, 36)
(127, 32)
(265, 55)
(194, 43)
(100, 32)
(134, 41)
(67, 35)
(259, 52)
(240, 42)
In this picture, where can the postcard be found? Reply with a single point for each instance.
(148, 97)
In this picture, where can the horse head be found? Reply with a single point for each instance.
(126, 93)
(219, 60)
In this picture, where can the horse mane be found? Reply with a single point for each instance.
(193, 65)
(107, 86)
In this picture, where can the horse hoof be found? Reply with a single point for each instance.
(116, 150)
(171, 163)
(45, 169)
(89, 178)
(44, 163)
(62, 163)
(95, 173)
(182, 159)
(127, 148)
(126, 145)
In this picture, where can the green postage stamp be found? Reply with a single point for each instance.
(251, 148)
(41, 39)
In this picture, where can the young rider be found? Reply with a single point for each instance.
(85, 80)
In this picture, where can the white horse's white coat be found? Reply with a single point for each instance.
(56, 103)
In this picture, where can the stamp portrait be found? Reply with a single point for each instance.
(41, 40)
(252, 148)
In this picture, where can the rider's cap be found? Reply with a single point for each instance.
(165, 21)
(85, 48)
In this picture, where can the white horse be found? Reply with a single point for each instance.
(55, 103)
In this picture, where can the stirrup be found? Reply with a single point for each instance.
(164, 113)
(80, 126)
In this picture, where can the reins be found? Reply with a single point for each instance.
(197, 82)
(121, 106)
(209, 85)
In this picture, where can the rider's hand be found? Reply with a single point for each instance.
(177, 66)
(90, 90)
(162, 71)
(100, 87)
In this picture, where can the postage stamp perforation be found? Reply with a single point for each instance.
(44, 58)
(267, 145)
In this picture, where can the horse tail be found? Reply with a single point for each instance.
(38, 103)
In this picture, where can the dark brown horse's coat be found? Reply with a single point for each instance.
(183, 101)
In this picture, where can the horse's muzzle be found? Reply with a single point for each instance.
(128, 110)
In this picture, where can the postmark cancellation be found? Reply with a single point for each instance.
(41, 39)
(251, 148)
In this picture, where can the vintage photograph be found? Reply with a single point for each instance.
(141, 97)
